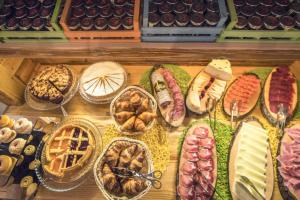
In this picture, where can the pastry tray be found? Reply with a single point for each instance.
(38, 104)
(99, 183)
(69, 183)
(145, 93)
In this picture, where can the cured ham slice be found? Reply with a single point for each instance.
(197, 167)
(245, 90)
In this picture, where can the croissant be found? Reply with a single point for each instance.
(147, 117)
(121, 117)
(112, 156)
(135, 98)
(123, 105)
(137, 163)
(133, 187)
(139, 125)
(144, 106)
(128, 125)
(127, 155)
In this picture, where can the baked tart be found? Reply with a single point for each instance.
(67, 150)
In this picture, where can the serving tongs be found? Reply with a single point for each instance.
(211, 105)
(281, 119)
(234, 109)
(210, 185)
(152, 177)
(250, 187)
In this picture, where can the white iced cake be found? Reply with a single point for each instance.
(102, 81)
(219, 68)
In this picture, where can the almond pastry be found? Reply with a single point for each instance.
(7, 135)
(5, 164)
(16, 146)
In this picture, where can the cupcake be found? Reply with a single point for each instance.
(188, 3)
(103, 3)
(294, 8)
(5, 11)
(77, 3)
(278, 11)
(271, 22)
(212, 6)
(197, 19)
(157, 2)
(127, 23)
(172, 2)
(32, 4)
(73, 23)
(119, 11)
(198, 8)
(239, 3)
(2, 23)
(287, 22)
(130, 2)
(129, 10)
(100, 23)
(25, 24)
(92, 12)
(241, 23)
(248, 11)
(255, 22)
(252, 2)
(153, 8)
(268, 3)
(263, 11)
(165, 8)
(167, 19)
(282, 3)
(8, 3)
(119, 2)
(78, 12)
(33, 13)
(297, 19)
(38, 24)
(87, 23)
(114, 23)
(19, 4)
(212, 18)
(105, 12)
(180, 8)
(153, 19)
(49, 27)
(182, 19)
(21, 13)
(48, 3)
(89, 3)
(12, 24)
(45, 13)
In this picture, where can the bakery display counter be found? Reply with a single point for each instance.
(161, 140)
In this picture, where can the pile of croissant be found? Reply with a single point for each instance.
(123, 154)
(133, 111)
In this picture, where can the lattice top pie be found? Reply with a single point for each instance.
(68, 149)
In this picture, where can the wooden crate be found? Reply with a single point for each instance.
(105, 35)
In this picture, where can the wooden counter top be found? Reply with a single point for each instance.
(77, 106)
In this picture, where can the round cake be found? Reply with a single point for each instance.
(102, 81)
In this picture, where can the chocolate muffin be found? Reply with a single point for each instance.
(19, 4)
(187, 3)
(8, 3)
(92, 12)
(263, 11)
(268, 3)
(172, 2)
(87, 23)
(248, 11)
(278, 11)
(282, 3)
(255, 22)
(197, 19)
(21, 13)
(165, 8)
(48, 3)
(212, 6)
(25, 24)
(5, 11)
(157, 2)
(212, 18)
(127, 23)
(119, 11)
(153, 19)
(45, 13)
(2, 22)
(12, 24)
(33, 13)
(252, 2)
(38, 24)
(114, 23)
(198, 8)
(297, 19)
(130, 2)
(100, 23)
(294, 8)
(287, 22)
(239, 3)
(48, 25)
(180, 8)
(77, 3)
(271, 22)
(129, 10)
(32, 4)
(153, 8)
(73, 23)
(103, 3)
(119, 2)
(89, 3)
(78, 12)
(182, 19)
(106, 12)
(241, 23)
(167, 19)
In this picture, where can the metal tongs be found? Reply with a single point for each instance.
(210, 185)
(153, 177)
(211, 105)
(234, 108)
(281, 119)
(251, 188)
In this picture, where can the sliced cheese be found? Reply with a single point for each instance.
(217, 89)
(219, 68)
